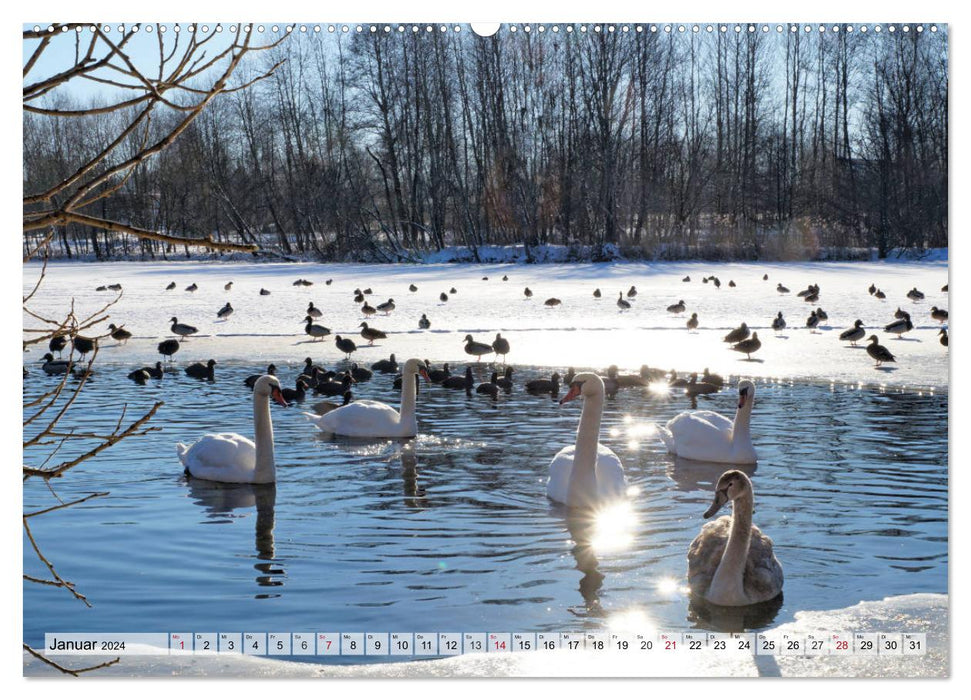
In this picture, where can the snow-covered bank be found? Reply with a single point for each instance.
(582, 331)
(919, 613)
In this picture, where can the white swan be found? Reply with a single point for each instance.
(373, 419)
(587, 473)
(711, 437)
(731, 562)
(232, 458)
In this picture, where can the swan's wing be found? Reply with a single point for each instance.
(701, 435)
(716, 420)
(705, 554)
(763, 577)
(363, 418)
(611, 480)
(221, 457)
(558, 483)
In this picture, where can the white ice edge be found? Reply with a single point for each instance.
(926, 613)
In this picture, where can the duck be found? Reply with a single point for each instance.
(707, 436)
(872, 288)
(778, 323)
(119, 334)
(358, 297)
(167, 348)
(696, 388)
(765, 277)
(139, 376)
(704, 280)
(367, 290)
(57, 343)
(545, 386)
(878, 352)
(748, 346)
(806, 292)
(731, 283)
(226, 311)
(943, 334)
(324, 407)
(264, 292)
(812, 322)
(490, 388)
(52, 366)
(715, 379)
(368, 310)
(505, 382)
(678, 308)
(570, 374)
(182, 329)
(812, 298)
(296, 394)
(192, 287)
(389, 366)
(228, 286)
(718, 282)
(500, 346)
(334, 388)
(915, 295)
(552, 301)
(101, 288)
(466, 381)
(505, 278)
(880, 294)
(676, 382)
(738, 334)
(781, 288)
(649, 374)
(251, 380)
(625, 381)
(731, 562)
(453, 290)
(686, 278)
(944, 288)
(155, 372)
(939, 315)
(586, 474)
(84, 345)
(611, 385)
(423, 323)
(437, 376)
(855, 333)
(528, 293)
(371, 334)
(314, 312)
(900, 326)
(361, 374)
(315, 330)
(692, 323)
(373, 419)
(232, 458)
(622, 303)
(443, 297)
(821, 315)
(399, 379)
(345, 345)
(477, 349)
(197, 370)
(170, 287)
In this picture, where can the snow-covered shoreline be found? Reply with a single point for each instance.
(581, 332)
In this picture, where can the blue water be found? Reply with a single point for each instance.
(851, 485)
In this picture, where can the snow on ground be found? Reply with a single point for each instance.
(919, 613)
(581, 331)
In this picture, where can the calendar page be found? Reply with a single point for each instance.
(440, 349)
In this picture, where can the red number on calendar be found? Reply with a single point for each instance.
(842, 645)
(670, 644)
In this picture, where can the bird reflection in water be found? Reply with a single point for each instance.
(414, 492)
(720, 618)
(694, 475)
(222, 499)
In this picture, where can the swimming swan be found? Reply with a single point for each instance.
(587, 473)
(731, 562)
(373, 419)
(711, 437)
(232, 458)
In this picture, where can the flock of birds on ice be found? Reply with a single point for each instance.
(730, 563)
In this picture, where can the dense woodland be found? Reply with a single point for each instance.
(390, 145)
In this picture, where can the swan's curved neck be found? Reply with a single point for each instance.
(583, 477)
(727, 583)
(408, 394)
(265, 472)
(743, 418)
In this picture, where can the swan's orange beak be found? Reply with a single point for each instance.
(278, 396)
(571, 394)
(424, 374)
